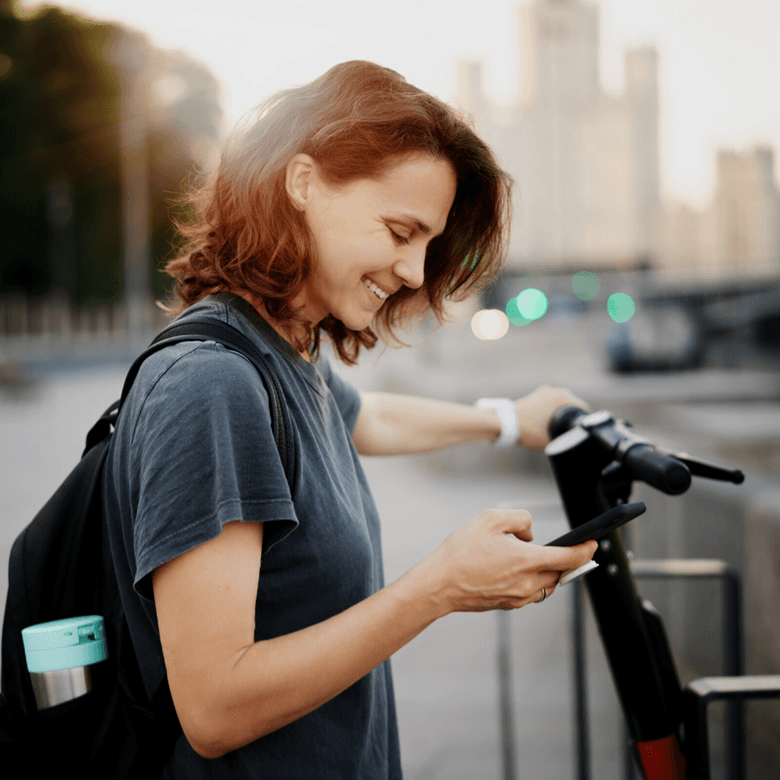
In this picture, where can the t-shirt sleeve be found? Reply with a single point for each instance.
(204, 454)
(346, 397)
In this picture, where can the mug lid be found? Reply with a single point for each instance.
(64, 644)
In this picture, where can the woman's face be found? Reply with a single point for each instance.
(370, 235)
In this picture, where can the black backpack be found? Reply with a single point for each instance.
(60, 566)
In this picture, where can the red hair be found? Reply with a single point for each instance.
(356, 121)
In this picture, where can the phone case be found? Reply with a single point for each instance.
(601, 525)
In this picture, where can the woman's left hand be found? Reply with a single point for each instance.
(535, 409)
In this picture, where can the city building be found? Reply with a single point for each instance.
(585, 163)
(745, 209)
(740, 228)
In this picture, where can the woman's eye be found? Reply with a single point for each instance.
(398, 239)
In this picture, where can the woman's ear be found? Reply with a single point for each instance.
(299, 178)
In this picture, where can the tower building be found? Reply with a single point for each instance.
(585, 164)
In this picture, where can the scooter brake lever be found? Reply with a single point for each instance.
(701, 469)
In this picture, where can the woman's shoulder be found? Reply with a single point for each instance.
(197, 368)
(202, 363)
(194, 381)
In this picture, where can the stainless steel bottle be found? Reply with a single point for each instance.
(61, 657)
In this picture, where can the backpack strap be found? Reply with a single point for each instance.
(164, 728)
(222, 333)
(208, 329)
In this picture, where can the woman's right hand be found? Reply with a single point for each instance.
(490, 563)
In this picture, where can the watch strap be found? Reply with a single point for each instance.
(510, 428)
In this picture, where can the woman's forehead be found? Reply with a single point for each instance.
(420, 189)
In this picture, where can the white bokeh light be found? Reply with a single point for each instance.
(489, 324)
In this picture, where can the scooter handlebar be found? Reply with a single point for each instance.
(661, 471)
(643, 460)
(563, 419)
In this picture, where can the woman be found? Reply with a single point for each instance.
(347, 206)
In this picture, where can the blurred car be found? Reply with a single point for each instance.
(564, 308)
(661, 336)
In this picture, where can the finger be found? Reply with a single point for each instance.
(566, 558)
(573, 397)
(525, 536)
(515, 602)
(514, 521)
(550, 584)
(544, 594)
(547, 581)
(550, 581)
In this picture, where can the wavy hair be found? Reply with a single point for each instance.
(355, 121)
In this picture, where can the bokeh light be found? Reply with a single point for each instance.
(513, 313)
(585, 285)
(621, 307)
(489, 324)
(532, 303)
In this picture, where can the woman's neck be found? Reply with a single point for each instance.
(280, 327)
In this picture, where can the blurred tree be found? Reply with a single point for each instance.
(183, 137)
(61, 185)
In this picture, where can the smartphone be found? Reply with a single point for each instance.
(601, 525)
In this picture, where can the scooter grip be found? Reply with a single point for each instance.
(658, 469)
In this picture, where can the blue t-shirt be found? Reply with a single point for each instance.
(194, 449)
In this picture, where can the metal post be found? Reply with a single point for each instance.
(505, 698)
(580, 686)
(704, 690)
(626, 532)
(733, 665)
(733, 662)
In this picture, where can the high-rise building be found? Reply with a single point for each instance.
(745, 209)
(740, 227)
(586, 164)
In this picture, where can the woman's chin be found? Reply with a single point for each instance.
(357, 319)
(358, 324)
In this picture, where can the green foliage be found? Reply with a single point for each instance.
(64, 89)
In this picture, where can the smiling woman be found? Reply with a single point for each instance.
(348, 204)
(370, 234)
(353, 124)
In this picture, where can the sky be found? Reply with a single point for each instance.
(719, 59)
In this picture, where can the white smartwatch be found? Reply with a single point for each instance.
(510, 429)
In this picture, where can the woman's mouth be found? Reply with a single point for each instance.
(378, 291)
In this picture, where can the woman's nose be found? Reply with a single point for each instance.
(410, 267)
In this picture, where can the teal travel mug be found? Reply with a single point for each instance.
(61, 657)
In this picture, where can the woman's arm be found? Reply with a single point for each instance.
(229, 690)
(390, 424)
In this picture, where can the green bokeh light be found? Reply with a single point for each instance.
(620, 307)
(532, 303)
(585, 285)
(513, 313)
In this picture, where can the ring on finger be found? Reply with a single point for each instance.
(544, 596)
